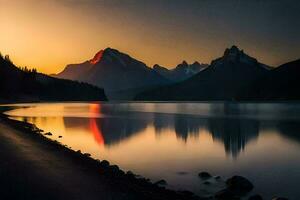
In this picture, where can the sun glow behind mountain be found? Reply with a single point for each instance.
(49, 34)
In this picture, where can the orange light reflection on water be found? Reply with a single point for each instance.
(94, 127)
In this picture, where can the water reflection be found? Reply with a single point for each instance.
(110, 125)
(290, 129)
(260, 141)
(233, 133)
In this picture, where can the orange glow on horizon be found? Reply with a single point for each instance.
(48, 35)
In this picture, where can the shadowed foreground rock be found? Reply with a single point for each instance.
(204, 175)
(239, 184)
(236, 187)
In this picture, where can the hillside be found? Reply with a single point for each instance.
(27, 85)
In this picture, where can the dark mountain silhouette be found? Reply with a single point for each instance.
(181, 72)
(226, 78)
(116, 72)
(282, 83)
(28, 85)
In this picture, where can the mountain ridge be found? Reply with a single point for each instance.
(118, 72)
(225, 79)
(114, 71)
(181, 72)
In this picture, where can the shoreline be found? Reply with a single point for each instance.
(131, 186)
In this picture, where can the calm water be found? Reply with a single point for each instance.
(175, 141)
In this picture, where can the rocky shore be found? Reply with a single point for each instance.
(235, 188)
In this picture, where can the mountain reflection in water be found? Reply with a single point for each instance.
(259, 141)
(233, 133)
(230, 129)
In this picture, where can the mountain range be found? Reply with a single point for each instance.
(122, 76)
(23, 85)
(224, 79)
(234, 76)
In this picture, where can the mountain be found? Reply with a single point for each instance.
(181, 72)
(227, 78)
(282, 83)
(116, 72)
(28, 85)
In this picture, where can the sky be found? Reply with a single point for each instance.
(49, 34)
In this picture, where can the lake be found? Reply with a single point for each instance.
(176, 141)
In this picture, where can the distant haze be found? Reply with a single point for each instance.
(49, 34)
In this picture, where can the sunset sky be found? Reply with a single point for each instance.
(48, 34)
